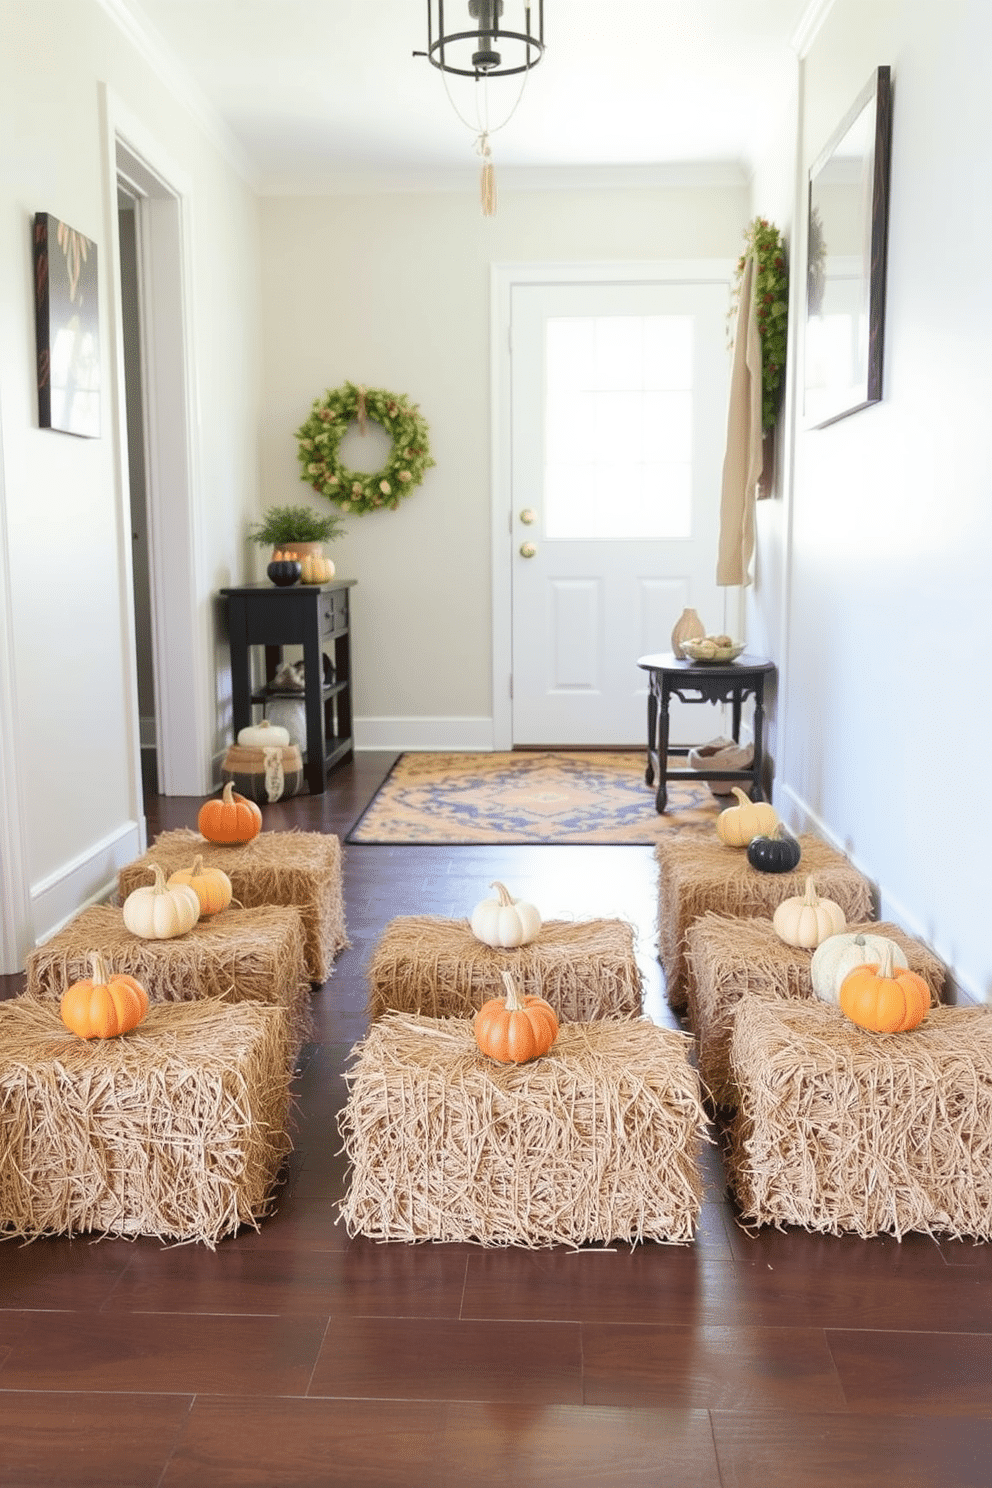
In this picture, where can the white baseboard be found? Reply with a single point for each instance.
(798, 815)
(449, 734)
(88, 879)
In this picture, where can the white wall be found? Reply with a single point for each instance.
(887, 711)
(69, 757)
(393, 291)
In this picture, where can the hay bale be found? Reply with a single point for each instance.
(596, 1141)
(845, 1131)
(300, 869)
(728, 958)
(697, 872)
(176, 1130)
(245, 955)
(425, 964)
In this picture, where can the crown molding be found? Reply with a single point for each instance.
(153, 48)
(511, 178)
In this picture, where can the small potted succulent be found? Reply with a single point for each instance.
(296, 535)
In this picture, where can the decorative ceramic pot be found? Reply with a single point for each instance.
(688, 627)
(284, 571)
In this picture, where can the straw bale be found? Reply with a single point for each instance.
(302, 869)
(596, 1141)
(245, 955)
(586, 969)
(176, 1130)
(728, 958)
(697, 872)
(842, 1130)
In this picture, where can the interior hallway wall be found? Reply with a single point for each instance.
(887, 711)
(393, 291)
(71, 761)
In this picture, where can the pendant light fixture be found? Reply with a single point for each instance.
(494, 48)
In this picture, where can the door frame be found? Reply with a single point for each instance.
(503, 278)
(162, 194)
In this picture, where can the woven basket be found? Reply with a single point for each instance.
(263, 775)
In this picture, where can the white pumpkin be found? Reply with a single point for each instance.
(264, 735)
(159, 912)
(840, 954)
(505, 922)
(805, 919)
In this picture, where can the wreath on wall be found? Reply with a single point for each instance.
(763, 243)
(320, 437)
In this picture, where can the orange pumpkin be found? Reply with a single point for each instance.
(103, 1005)
(231, 818)
(211, 886)
(885, 998)
(515, 1028)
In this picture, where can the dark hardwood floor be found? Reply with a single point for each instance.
(294, 1356)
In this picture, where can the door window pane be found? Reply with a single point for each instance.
(618, 427)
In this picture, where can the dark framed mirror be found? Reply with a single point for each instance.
(846, 246)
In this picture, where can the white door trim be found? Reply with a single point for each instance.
(179, 635)
(15, 903)
(503, 277)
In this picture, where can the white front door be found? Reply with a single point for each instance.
(618, 410)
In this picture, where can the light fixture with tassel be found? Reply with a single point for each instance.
(479, 54)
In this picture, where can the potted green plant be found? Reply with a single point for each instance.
(297, 527)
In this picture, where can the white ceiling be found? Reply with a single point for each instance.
(326, 94)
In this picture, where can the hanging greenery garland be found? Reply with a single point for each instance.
(320, 437)
(763, 243)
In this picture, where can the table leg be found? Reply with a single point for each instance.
(757, 791)
(240, 668)
(736, 714)
(661, 797)
(652, 721)
(313, 672)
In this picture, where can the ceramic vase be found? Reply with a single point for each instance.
(688, 627)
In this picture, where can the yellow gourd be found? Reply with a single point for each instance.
(316, 569)
(739, 824)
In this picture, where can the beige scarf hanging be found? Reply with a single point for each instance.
(743, 461)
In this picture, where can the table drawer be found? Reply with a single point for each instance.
(334, 613)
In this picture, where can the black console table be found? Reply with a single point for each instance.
(313, 616)
(702, 682)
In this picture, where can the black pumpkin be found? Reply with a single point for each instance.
(284, 571)
(778, 852)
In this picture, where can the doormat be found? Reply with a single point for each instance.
(529, 797)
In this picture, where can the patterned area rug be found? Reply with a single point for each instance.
(528, 796)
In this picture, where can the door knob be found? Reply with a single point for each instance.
(528, 515)
(528, 549)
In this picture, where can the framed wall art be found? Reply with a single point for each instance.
(67, 328)
(847, 242)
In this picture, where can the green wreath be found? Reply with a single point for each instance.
(321, 434)
(763, 242)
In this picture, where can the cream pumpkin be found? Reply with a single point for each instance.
(505, 922)
(264, 735)
(159, 912)
(805, 919)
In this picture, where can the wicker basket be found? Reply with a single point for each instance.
(263, 775)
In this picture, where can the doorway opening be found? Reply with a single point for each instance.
(169, 646)
(137, 490)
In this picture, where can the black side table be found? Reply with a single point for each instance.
(702, 682)
(312, 616)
